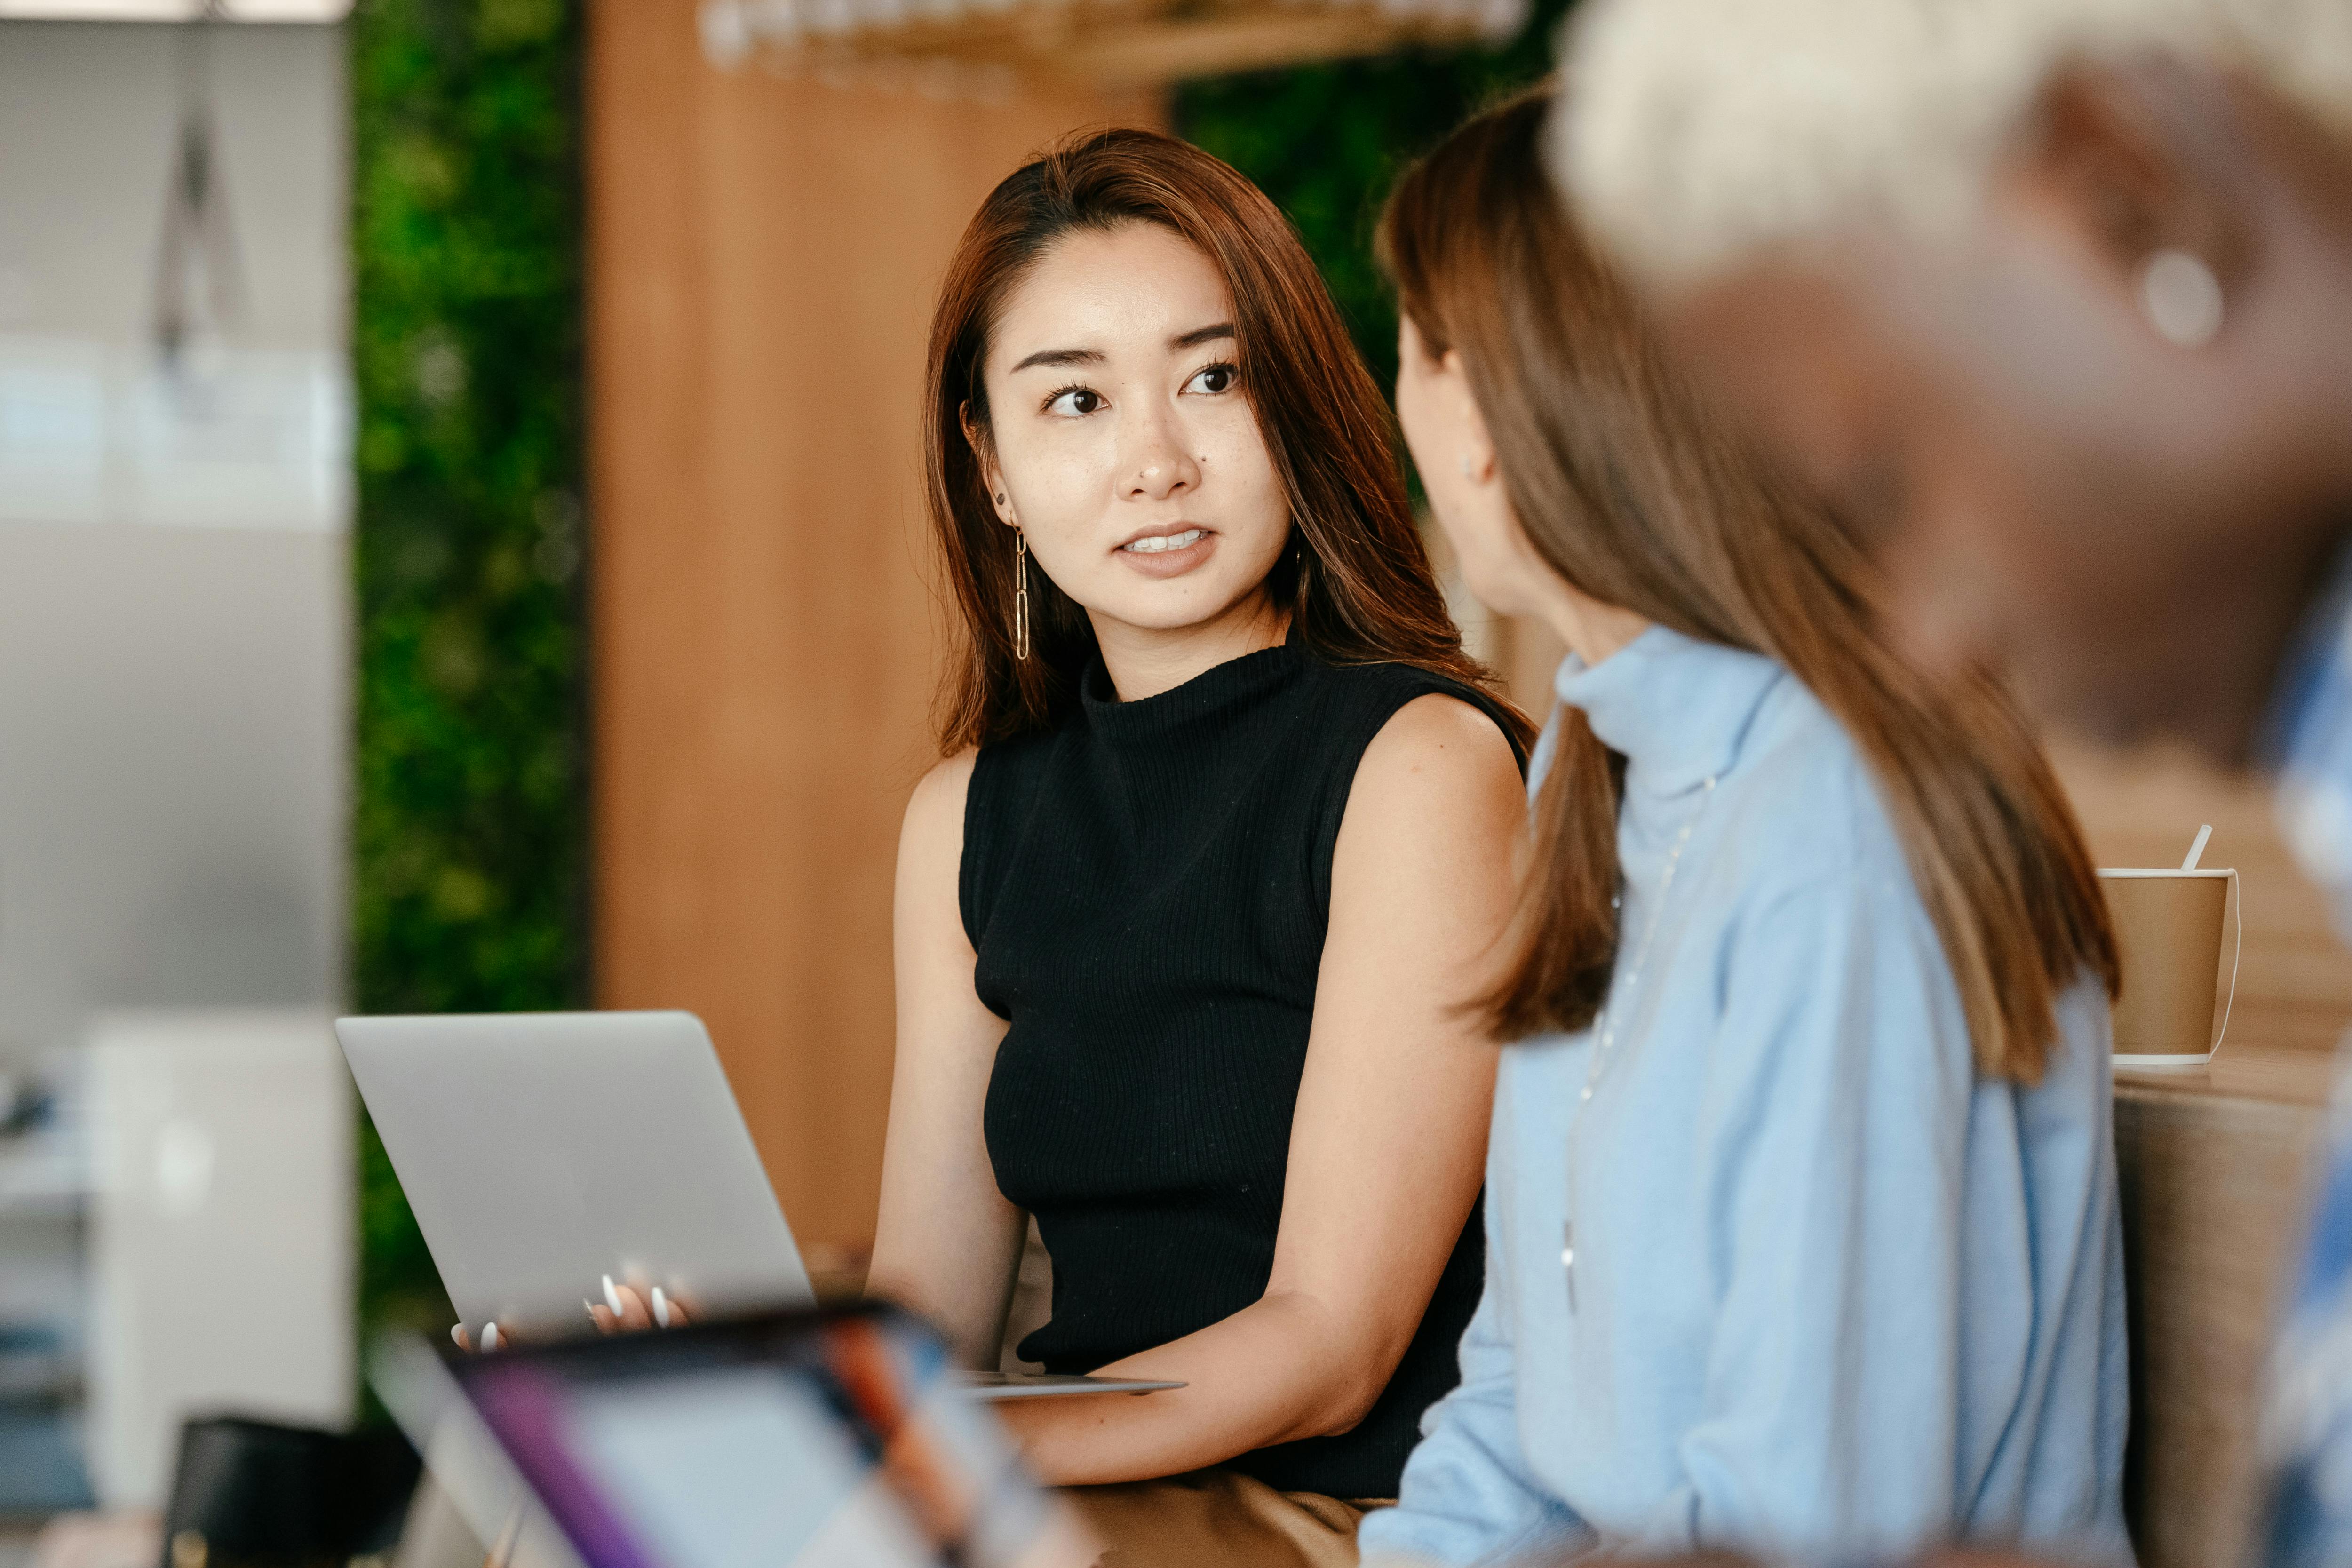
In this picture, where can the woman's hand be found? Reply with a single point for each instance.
(626, 1310)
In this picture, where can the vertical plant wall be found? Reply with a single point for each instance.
(469, 834)
(1327, 142)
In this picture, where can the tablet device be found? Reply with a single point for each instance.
(542, 1151)
(803, 1439)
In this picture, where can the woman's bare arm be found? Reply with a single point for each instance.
(947, 1242)
(1387, 1140)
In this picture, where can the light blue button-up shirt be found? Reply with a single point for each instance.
(1834, 1295)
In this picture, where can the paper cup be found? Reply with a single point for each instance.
(2168, 933)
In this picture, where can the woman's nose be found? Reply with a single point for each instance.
(1160, 466)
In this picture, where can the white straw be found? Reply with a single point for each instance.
(2196, 848)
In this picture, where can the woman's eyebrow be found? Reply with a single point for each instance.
(1060, 356)
(1180, 342)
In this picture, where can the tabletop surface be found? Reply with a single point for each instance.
(2249, 1070)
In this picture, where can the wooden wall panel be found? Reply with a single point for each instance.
(764, 256)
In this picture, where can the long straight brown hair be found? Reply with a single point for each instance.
(1357, 586)
(1629, 491)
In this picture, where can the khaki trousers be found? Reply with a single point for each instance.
(1215, 1516)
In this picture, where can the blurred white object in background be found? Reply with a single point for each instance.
(91, 432)
(981, 50)
(221, 1232)
(101, 1540)
(175, 10)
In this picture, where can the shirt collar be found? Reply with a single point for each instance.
(1677, 708)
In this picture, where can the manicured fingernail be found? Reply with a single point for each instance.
(612, 1297)
(661, 1307)
(587, 1308)
(457, 1335)
(489, 1336)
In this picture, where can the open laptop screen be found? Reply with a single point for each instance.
(810, 1439)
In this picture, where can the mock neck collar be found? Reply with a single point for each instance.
(1216, 689)
(1677, 708)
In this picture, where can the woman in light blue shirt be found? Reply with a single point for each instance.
(1800, 1196)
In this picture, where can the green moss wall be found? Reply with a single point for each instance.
(1327, 142)
(470, 831)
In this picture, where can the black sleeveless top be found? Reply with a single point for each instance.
(1147, 886)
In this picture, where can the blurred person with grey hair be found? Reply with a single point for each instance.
(2053, 299)
(2053, 296)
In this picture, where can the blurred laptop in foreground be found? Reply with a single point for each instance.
(813, 1439)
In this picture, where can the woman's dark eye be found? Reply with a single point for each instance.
(1074, 400)
(1215, 378)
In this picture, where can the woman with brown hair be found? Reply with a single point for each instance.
(1220, 842)
(1803, 1236)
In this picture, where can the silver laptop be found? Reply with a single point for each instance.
(543, 1152)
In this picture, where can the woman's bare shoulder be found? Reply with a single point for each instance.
(1439, 779)
(933, 825)
(1445, 740)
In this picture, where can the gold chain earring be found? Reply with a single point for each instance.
(1020, 595)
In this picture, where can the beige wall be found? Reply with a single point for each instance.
(764, 256)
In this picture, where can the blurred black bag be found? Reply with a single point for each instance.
(254, 1494)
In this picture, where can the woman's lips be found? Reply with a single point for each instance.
(1161, 555)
